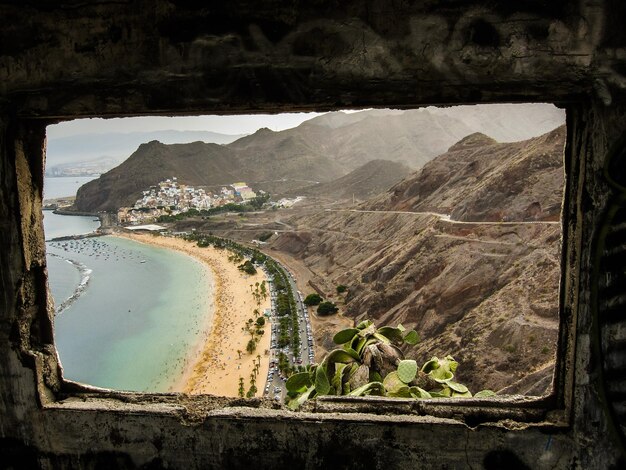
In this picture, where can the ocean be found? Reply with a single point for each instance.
(64, 186)
(128, 314)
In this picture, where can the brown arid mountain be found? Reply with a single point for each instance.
(112, 148)
(368, 180)
(466, 251)
(288, 159)
(196, 163)
(506, 122)
(320, 150)
(479, 179)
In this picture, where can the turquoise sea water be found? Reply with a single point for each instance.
(128, 314)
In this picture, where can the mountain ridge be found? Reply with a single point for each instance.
(76, 150)
(204, 163)
(369, 179)
(481, 286)
(504, 170)
(286, 161)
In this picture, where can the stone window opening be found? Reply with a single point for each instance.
(56, 391)
(74, 59)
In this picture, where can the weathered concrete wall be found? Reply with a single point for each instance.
(75, 58)
(80, 58)
(594, 130)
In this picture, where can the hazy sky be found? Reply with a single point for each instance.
(242, 124)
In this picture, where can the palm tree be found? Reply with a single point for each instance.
(239, 351)
(242, 389)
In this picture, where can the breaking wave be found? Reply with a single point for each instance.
(85, 276)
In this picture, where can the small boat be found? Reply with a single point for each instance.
(142, 261)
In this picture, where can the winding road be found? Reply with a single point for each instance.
(446, 217)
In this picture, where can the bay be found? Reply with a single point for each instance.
(129, 313)
(143, 311)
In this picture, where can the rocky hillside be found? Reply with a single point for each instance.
(367, 181)
(480, 179)
(198, 163)
(482, 286)
(320, 150)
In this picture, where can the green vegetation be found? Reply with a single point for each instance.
(258, 202)
(252, 205)
(235, 258)
(252, 390)
(326, 308)
(259, 291)
(370, 362)
(283, 363)
(312, 299)
(247, 267)
(510, 348)
(255, 372)
(341, 289)
(255, 331)
(242, 389)
(288, 328)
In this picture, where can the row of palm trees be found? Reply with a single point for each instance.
(253, 376)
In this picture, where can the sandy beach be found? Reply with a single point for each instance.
(214, 366)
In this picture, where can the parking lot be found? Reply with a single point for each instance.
(275, 384)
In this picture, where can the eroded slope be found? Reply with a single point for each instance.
(482, 286)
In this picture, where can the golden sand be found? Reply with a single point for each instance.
(214, 367)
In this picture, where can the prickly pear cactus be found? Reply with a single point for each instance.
(369, 362)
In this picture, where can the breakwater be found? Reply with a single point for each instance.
(84, 272)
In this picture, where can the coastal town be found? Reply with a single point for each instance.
(172, 198)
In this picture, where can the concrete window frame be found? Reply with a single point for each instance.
(55, 393)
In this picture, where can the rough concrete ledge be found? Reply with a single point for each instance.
(511, 412)
(163, 435)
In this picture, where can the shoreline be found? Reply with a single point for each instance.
(213, 366)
